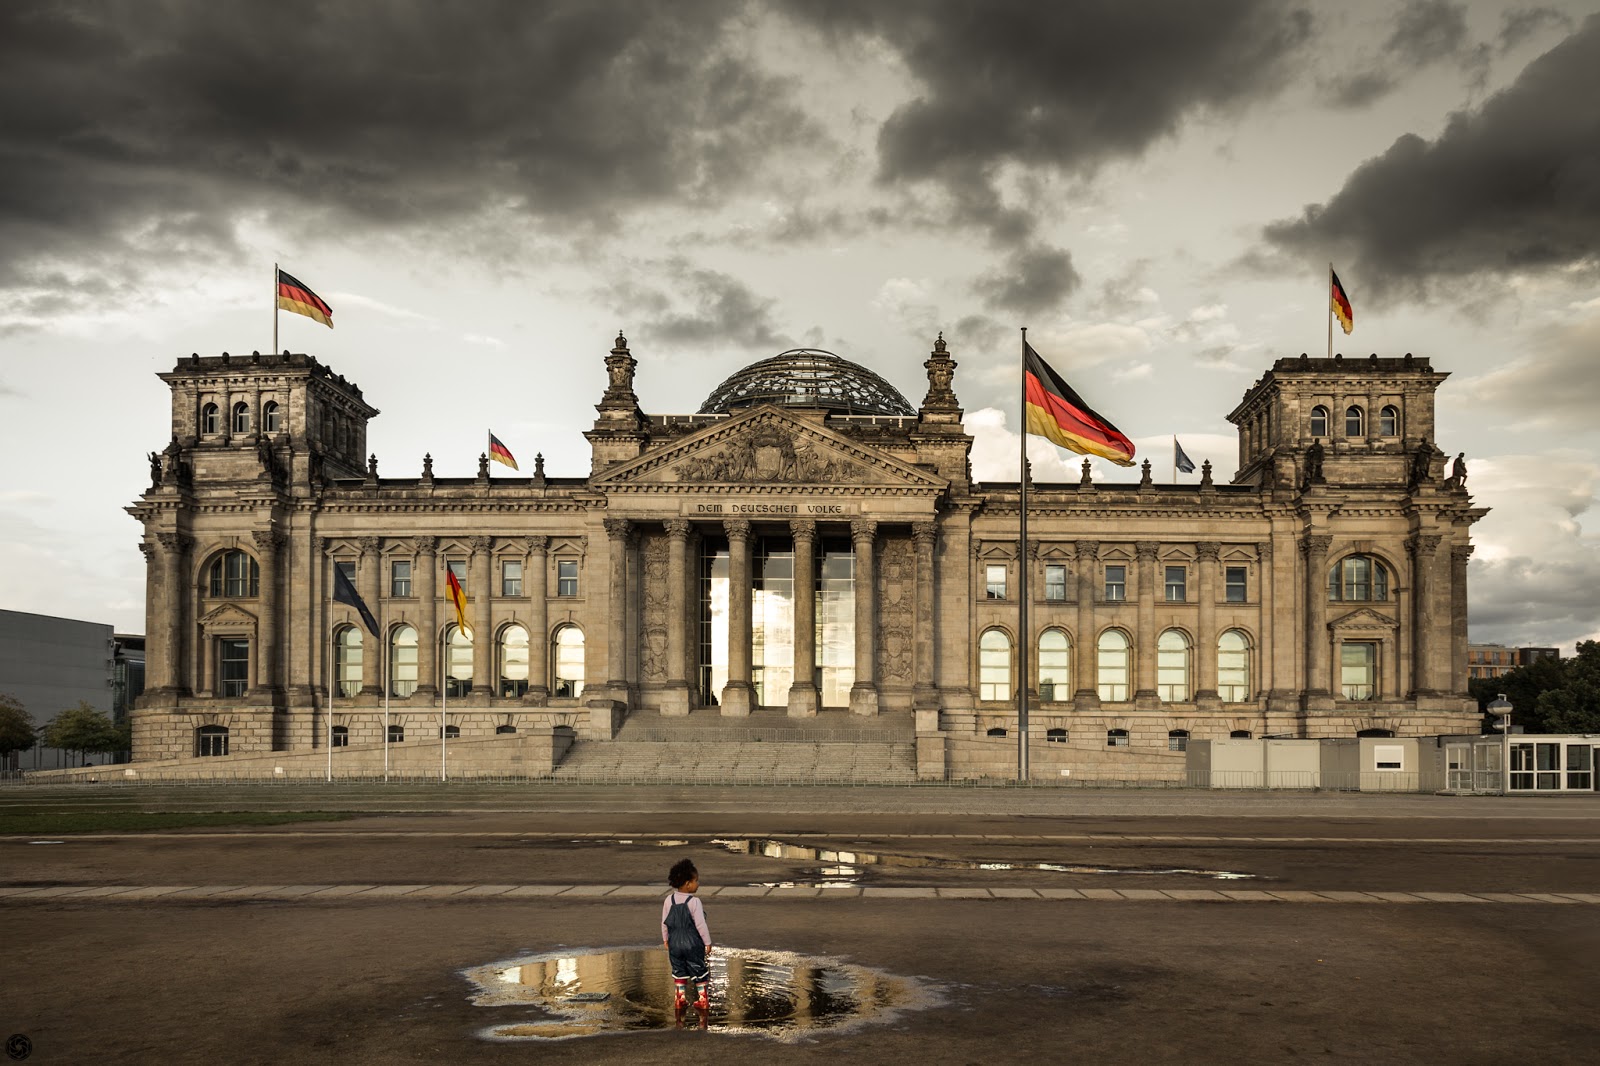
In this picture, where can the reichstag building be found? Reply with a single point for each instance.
(809, 544)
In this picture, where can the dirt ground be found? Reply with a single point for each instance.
(1038, 980)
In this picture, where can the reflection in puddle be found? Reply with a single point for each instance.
(769, 993)
(844, 869)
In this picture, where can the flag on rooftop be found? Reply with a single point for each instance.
(1057, 413)
(294, 296)
(500, 453)
(1179, 459)
(344, 592)
(1339, 303)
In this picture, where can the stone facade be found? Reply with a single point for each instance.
(1321, 593)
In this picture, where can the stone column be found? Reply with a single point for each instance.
(267, 542)
(427, 579)
(1456, 669)
(925, 694)
(1262, 676)
(372, 648)
(864, 693)
(1209, 556)
(617, 532)
(675, 698)
(482, 597)
(538, 621)
(1145, 697)
(803, 695)
(1282, 626)
(1423, 547)
(1314, 548)
(169, 644)
(738, 695)
(1086, 669)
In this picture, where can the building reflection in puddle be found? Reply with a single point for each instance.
(844, 866)
(769, 993)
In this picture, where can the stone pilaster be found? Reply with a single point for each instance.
(1145, 697)
(1208, 558)
(1318, 695)
(1086, 668)
(372, 649)
(738, 695)
(169, 650)
(1460, 554)
(675, 697)
(803, 695)
(864, 693)
(538, 621)
(1425, 630)
(925, 693)
(427, 589)
(484, 682)
(618, 530)
(267, 687)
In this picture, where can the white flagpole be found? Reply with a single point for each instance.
(444, 693)
(1022, 577)
(383, 677)
(275, 310)
(443, 717)
(1328, 311)
(332, 669)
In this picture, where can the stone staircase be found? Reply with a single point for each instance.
(768, 747)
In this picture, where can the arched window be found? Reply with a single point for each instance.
(501, 729)
(1353, 421)
(1172, 666)
(211, 740)
(341, 736)
(235, 575)
(1112, 666)
(1233, 667)
(347, 642)
(1374, 732)
(997, 731)
(1319, 421)
(1177, 740)
(397, 733)
(402, 661)
(513, 661)
(452, 732)
(1055, 659)
(566, 667)
(1055, 736)
(994, 665)
(1389, 421)
(241, 417)
(271, 422)
(1239, 734)
(208, 418)
(1358, 578)
(458, 660)
(1116, 738)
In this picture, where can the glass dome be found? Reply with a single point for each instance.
(808, 377)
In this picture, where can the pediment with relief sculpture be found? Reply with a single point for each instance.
(765, 446)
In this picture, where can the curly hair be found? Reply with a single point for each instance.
(682, 873)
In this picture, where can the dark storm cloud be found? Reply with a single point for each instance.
(697, 308)
(155, 126)
(1068, 85)
(1031, 280)
(1424, 32)
(1512, 185)
(1518, 26)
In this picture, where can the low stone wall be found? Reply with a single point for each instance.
(983, 757)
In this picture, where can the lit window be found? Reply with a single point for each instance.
(513, 661)
(994, 665)
(403, 662)
(1116, 583)
(1055, 581)
(1389, 421)
(208, 418)
(995, 581)
(1055, 658)
(1236, 578)
(341, 736)
(1112, 666)
(1353, 421)
(235, 575)
(348, 641)
(1319, 421)
(400, 578)
(510, 577)
(1177, 584)
(1358, 577)
(1172, 666)
(233, 666)
(271, 420)
(567, 668)
(1233, 667)
(211, 740)
(1358, 670)
(241, 417)
(1116, 738)
(458, 661)
(1178, 740)
(566, 577)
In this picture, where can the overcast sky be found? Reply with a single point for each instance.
(486, 193)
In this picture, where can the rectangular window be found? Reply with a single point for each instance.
(233, 666)
(1055, 581)
(1580, 766)
(510, 577)
(1522, 766)
(348, 570)
(1388, 757)
(1547, 761)
(1177, 584)
(400, 578)
(458, 567)
(1358, 670)
(566, 577)
(1236, 581)
(1116, 583)
(995, 580)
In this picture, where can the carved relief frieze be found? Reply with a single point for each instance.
(766, 453)
(653, 650)
(897, 600)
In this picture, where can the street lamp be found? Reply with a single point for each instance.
(1500, 707)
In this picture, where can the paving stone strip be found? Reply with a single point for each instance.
(360, 892)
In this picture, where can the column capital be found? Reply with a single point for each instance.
(481, 545)
(267, 540)
(803, 529)
(677, 528)
(1208, 550)
(1087, 550)
(736, 528)
(618, 528)
(148, 550)
(1460, 553)
(538, 544)
(925, 535)
(863, 529)
(1423, 545)
(370, 545)
(175, 543)
(1033, 551)
(426, 545)
(1146, 550)
(1315, 544)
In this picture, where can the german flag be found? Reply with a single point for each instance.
(458, 599)
(294, 296)
(1056, 412)
(1339, 303)
(500, 453)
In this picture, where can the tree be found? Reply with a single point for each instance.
(16, 726)
(81, 729)
(1522, 686)
(1575, 706)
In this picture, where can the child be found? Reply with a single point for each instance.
(687, 939)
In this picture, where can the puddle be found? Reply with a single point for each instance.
(774, 994)
(844, 866)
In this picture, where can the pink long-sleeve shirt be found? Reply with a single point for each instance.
(697, 911)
